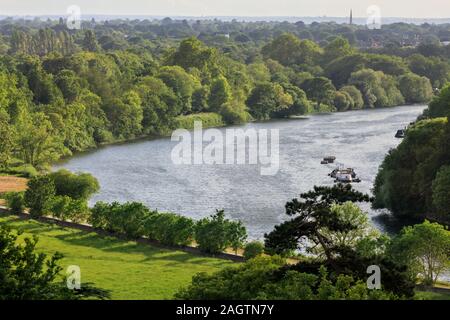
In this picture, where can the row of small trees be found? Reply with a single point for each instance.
(64, 195)
(132, 219)
(61, 194)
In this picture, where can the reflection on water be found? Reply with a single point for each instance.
(143, 171)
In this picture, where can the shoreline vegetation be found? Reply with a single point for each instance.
(68, 91)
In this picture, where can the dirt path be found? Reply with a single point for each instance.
(11, 183)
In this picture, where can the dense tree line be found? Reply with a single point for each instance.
(414, 181)
(65, 91)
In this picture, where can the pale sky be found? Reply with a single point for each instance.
(331, 8)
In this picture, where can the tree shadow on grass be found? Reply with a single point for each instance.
(122, 246)
(28, 226)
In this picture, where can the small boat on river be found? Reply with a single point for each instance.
(329, 159)
(345, 175)
(400, 134)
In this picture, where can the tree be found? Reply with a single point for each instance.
(182, 84)
(15, 202)
(215, 234)
(319, 89)
(379, 90)
(268, 98)
(338, 48)
(433, 68)
(340, 69)
(405, 187)
(66, 208)
(300, 103)
(441, 192)
(126, 115)
(440, 105)
(192, 53)
(355, 94)
(425, 248)
(253, 249)
(28, 275)
(126, 219)
(343, 101)
(220, 94)
(312, 216)
(264, 278)
(37, 144)
(69, 84)
(39, 194)
(415, 89)
(7, 141)
(352, 214)
(90, 42)
(284, 49)
(289, 50)
(169, 228)
(160, 105)
(76, 186)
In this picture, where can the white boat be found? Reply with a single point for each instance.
(344, 175)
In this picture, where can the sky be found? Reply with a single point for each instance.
(299, 8)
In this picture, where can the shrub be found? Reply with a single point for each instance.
(215, 234)
(76, 186)
(169, 228)
(39, 194)
(66, 208)
(99, 216)
(253, 249)
(15, 202)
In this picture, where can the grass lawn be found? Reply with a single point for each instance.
(428, 295)
(128, 269)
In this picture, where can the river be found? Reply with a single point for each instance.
(143, 170)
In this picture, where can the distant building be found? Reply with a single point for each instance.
(351, 16)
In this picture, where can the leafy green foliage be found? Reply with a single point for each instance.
(404, 182)
(64, 92)
(66, 208)
(126, 219)
(441, 191)
(28, 275)
(415, 89)
(216, 233)
(15, 202)
(268, 98)
(38, 197)
(425, 248)
(76, 186)
(311, 216)
(253, 249)
(169, 228)
(263, 278)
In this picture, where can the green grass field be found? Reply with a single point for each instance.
(128, 269)
(427, 295)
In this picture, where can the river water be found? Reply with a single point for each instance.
(143, 170)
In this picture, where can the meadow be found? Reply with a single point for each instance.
(128, 269)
